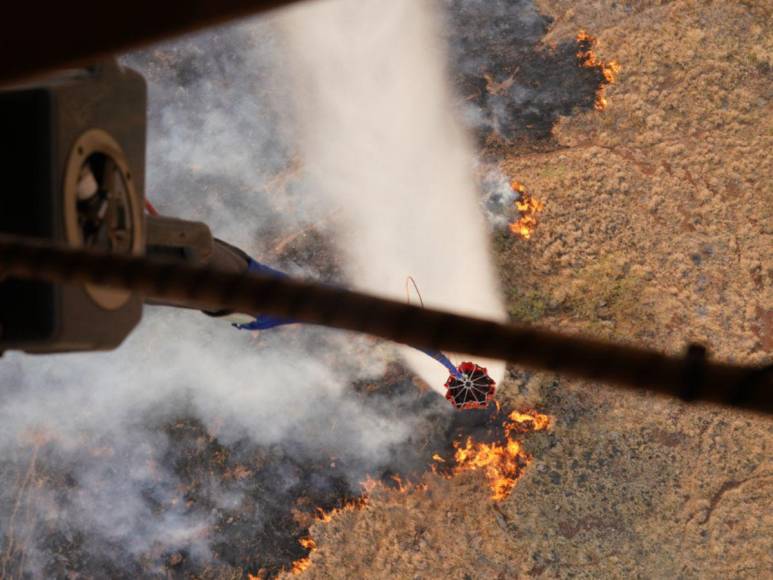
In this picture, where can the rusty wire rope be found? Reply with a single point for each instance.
(691, 378)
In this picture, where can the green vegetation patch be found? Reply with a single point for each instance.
(526, 306)
(607, 291)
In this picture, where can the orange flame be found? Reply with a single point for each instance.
(308, 543)
(326, 516)
(351, 505)
(501, 463)
(528, 208)
(521, 421)
(301, 565)
(304, 563)
(586, 58)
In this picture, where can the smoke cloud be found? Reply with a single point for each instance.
(103, 456)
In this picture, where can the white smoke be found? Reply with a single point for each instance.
(380, 142)
(380, 139)
(498, 197)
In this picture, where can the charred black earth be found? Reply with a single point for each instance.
(515, 86)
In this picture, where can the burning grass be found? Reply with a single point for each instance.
(586, 58)
(501, 461)
(528, 208)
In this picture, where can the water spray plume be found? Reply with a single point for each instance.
(382, 142)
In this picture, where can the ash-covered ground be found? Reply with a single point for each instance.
(655, 230)
(513, 85)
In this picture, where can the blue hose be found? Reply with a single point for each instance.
(266, 321)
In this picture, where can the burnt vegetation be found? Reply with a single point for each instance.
(255, 503)
(514, 85)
